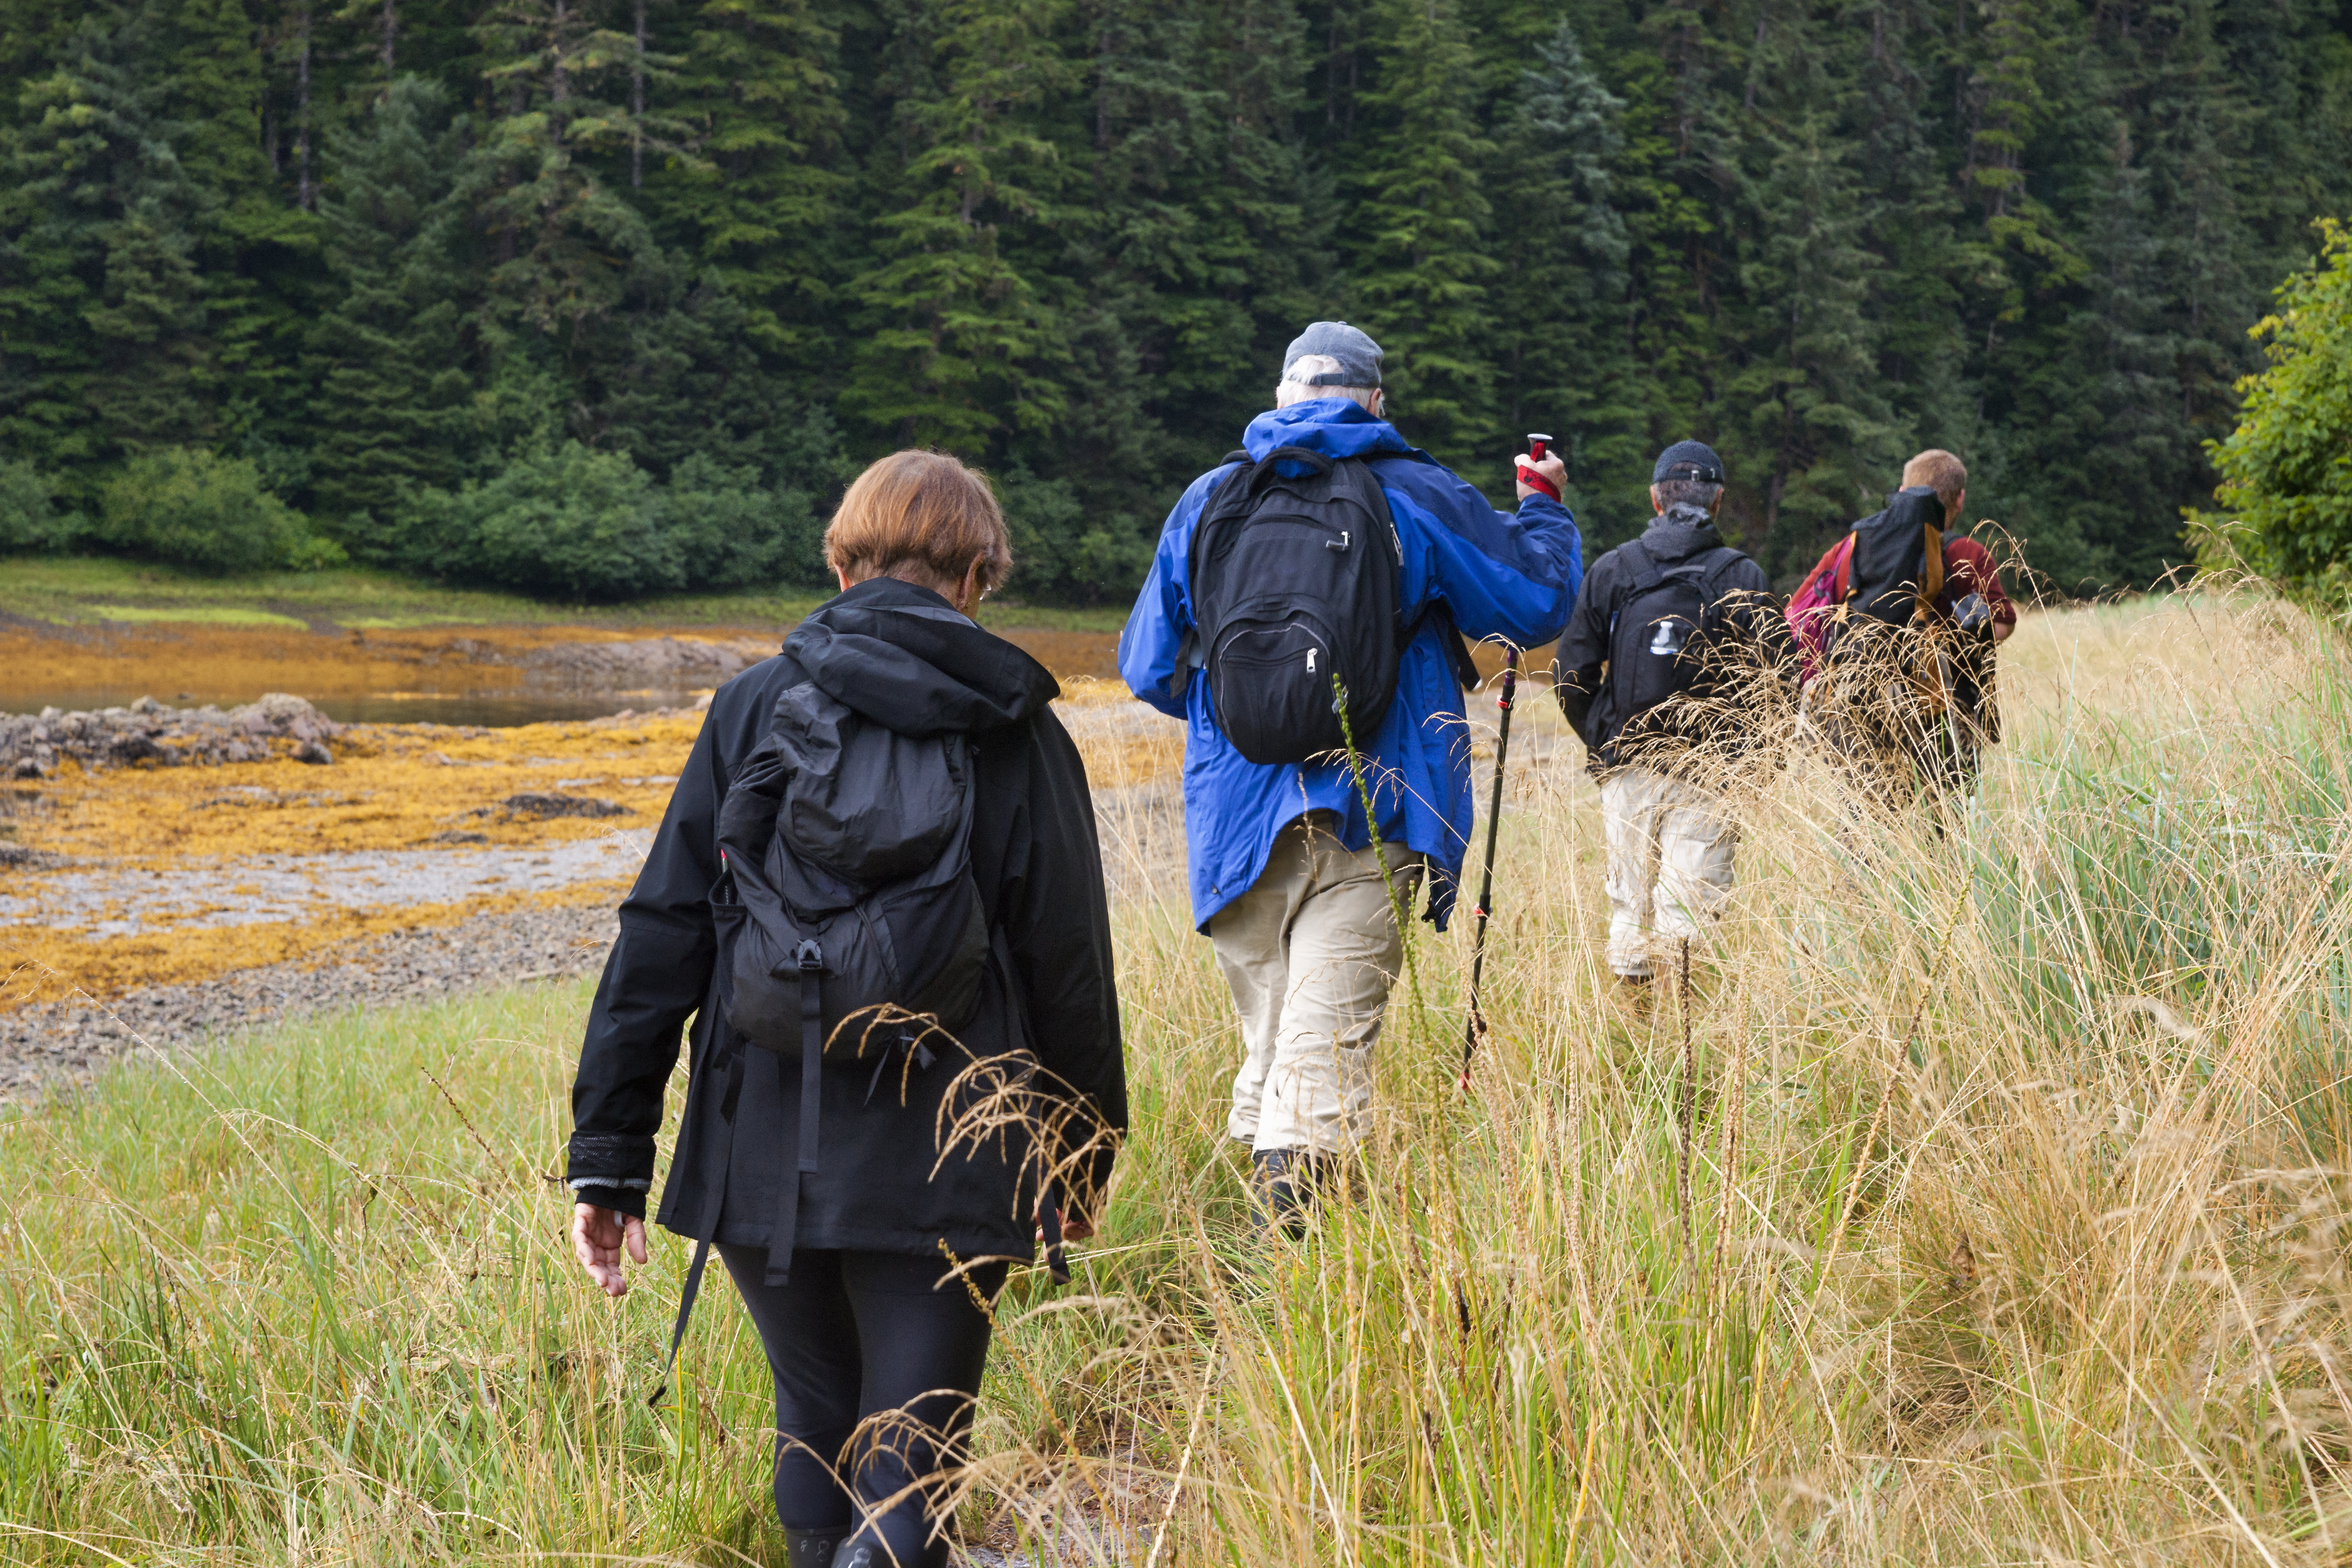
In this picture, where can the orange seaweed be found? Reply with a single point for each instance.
(390, 788)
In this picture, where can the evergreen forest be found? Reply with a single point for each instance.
(599, 298)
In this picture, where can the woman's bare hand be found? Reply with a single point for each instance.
(597, 1238)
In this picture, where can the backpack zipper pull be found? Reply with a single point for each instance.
(1343, 544)
(1311, 661)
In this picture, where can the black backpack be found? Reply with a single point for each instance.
(1896, 566)
(1657, 637)
(847, 894)
(1294, 579)
(1889, 671)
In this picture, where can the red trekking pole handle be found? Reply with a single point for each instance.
(1537, 450)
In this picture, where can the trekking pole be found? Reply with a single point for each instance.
(1538, 445)
(1474, 1023)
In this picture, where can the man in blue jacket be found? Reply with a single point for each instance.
(1284, 878)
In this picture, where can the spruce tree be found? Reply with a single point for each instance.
(392, 358)
(1559, 327)
(1808, 433)
(102, 310)
(1418, 268)
(959, 342)
(754, 89)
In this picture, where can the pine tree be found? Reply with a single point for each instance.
(393, 357)
(102, 308)
(1808, 428)
(1676, 179)
(1559, 301)
(755, 90)
(959, 343)
(563, 242)
(1420, 267)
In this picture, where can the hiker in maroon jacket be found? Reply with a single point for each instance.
(1969, 603)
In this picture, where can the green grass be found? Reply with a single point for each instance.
(70, 589)
(206, 614)
(1984, 1201)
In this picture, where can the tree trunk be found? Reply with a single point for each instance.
(391, 30)
(304, 196)
(559, 83)
(637, 105)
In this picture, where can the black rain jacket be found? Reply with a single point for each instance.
(1752, 628)
(901, 656)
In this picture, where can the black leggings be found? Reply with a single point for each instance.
(851, 1336)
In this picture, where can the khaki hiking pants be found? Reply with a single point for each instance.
(1670, 848)
(1311, 952)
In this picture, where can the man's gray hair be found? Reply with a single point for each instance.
(1297, 384)
(1688, 492)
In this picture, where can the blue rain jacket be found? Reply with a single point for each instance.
(1500, 574)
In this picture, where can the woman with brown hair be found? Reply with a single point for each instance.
(864, 1250)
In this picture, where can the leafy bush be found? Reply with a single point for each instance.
(731, 532)
(29, 518)
(2287, 477)
(198, 510)
(1063, 551)
(577, 523)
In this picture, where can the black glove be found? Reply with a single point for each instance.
(1973, 614)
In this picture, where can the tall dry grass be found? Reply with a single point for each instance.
(1981, 1199)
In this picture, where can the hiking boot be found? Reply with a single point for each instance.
(814, 1548)
(1284, 1182)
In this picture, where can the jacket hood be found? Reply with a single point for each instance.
(903, 658)
(1334, 427)
(1680, 532)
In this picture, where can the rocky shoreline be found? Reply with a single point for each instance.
(47, 1046)
(149, 732)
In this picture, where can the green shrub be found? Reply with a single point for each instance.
(208, 513)
(569, 523)
(2286, 477)
(575, 523)
(731, 532)
(1062, 551)
(29, 518)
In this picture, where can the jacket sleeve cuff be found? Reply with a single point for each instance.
(611, 1159)
(621, 1200)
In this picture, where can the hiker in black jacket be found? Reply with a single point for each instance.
(864, 1315)
(1667, 670)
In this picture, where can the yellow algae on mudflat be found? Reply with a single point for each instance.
(431, 794)
(390, 788)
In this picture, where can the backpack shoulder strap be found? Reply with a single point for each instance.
(1644, 573)
(1931, 571)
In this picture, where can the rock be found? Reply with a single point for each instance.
(147, 733)
(676, 662)
(539, 807)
